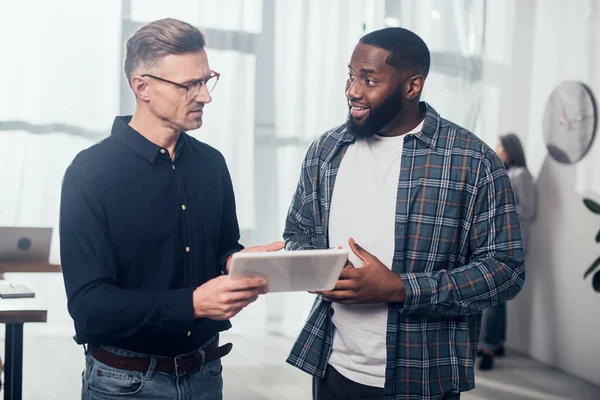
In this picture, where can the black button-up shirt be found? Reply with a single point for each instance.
(139, 232)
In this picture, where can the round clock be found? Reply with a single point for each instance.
(570, 120)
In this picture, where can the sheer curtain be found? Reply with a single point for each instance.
(314, 41)
(313, 44)
(61, 85)
(454, 33)
(63, 70)
(60, 93)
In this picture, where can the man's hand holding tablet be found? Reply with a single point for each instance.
(291, 271)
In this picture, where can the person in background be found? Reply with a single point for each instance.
(510, 151)
(147, 229)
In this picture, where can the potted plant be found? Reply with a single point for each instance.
(595, 208)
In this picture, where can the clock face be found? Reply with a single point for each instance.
(569, 122)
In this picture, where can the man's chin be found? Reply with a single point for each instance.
(357, 121)
(359, 127)
(192, 125)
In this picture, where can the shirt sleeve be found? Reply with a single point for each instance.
(495, 272)
(300, 231)
(230, 230)
(90, 270)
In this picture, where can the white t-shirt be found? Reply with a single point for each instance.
(363, 206)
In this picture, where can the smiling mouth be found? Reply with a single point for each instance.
(358, 112)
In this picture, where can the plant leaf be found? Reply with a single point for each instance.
(592, 268)
(592, 205)
(598, 237)
(596, 281)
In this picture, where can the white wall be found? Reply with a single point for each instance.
(531, 48)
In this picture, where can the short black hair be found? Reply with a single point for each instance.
(407, 49)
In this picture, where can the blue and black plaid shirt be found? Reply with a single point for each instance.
(458, 250)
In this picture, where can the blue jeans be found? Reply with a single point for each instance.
(494, 327)
(99, 381)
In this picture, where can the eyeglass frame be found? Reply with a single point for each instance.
(190, 87)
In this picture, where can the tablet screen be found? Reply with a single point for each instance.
(292, 271)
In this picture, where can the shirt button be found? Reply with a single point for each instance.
(187, 249)
(183, 207)
(173, 166)
(163, 151)
(189, 333)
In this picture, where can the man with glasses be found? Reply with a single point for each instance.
(427, 210)
(147, 227)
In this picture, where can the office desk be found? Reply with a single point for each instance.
(19, 267)
(14, 313)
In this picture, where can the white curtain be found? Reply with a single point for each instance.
(61, 66)
(61, 89)
(453, 31)
(314, 41)
(313, 44)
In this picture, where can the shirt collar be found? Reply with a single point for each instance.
(138, 143)
(430, 132)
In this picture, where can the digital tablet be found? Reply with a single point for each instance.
(291, 271)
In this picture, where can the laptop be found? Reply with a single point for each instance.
(19, 244)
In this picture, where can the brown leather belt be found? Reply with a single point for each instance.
(174, 365)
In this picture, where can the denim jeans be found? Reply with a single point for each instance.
(99, 381)
(494, 327)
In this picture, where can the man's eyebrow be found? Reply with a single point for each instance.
(195, 80)
(364, 71)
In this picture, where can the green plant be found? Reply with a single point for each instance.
(595, 208)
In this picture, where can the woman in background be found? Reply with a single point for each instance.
(510, 151)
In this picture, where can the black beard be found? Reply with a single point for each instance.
(378, 117)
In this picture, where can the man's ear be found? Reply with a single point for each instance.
(414, 87)
(140, 88)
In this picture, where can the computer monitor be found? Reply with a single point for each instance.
(18, 244)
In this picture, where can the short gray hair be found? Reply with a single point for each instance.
(149, 44)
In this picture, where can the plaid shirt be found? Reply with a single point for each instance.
(457, 248)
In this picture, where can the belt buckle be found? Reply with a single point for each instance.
(177, 373)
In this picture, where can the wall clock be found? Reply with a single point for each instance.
(570, 122)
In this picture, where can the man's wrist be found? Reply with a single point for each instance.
(196, 303)
(398, 294)
(225, 269)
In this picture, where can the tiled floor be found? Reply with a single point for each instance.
(255, 370)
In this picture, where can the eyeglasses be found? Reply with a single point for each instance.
(192, 90)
